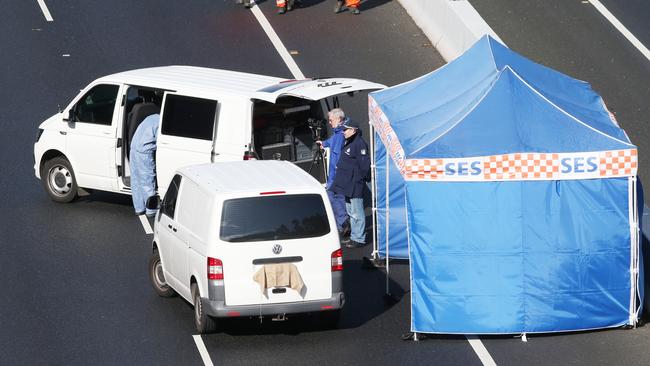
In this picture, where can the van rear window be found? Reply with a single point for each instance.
(274, 218)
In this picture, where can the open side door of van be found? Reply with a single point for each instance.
(314, 89)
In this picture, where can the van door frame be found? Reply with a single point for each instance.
(110, 182)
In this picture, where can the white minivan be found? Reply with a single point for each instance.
(207, 115)
(247, 239)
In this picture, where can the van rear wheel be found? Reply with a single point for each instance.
(58, 180)
(204, 323)
(157, 276)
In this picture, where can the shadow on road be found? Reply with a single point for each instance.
(364, 291)
(105, 197)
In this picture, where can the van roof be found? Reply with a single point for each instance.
(250, 176)
(192, 79)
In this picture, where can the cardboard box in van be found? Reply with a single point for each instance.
(240, 239)
(207, 115)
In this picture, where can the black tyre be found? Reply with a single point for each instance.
(157, 276)
(58, 180)
(203, 322)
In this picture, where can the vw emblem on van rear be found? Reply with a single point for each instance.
(277, 249)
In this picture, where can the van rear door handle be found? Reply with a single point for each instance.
(63, 132)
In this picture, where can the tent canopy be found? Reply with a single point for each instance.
(511, 189)
(489, 101)
(490, 85)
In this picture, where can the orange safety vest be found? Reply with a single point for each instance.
(280, 3)
(352, 3)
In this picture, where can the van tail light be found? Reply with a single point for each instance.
(337, 260)
(215, 269)
(272, 192)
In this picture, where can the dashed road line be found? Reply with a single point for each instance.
(145, 224)
(205, 356)
(480, 350)
(474, 341)
(621, 28)
(279, 46)
(45, 10)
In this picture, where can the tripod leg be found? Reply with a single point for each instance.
(318, 156)
(313, 160)
(322, 159)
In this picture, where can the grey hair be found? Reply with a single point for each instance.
(336, 113)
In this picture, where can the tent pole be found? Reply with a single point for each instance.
(387, 221)
(634, 260)
(373, 180)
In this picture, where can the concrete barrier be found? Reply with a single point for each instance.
(452, 26)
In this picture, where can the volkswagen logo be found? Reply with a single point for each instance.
(277, 249)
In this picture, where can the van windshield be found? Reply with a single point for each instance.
(274, 218)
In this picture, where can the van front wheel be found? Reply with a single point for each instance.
(157, 276)
(204, 323)
(58, 180)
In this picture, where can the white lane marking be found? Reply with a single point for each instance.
(279, 46)
(480, 350)
(202, 350)
(145, 224)
(621, 28)
(45, 10)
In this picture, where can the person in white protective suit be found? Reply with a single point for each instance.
(143, 164)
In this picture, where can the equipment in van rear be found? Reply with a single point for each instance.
(207, 115)
(244, 239)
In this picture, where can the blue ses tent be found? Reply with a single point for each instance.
(512, 191)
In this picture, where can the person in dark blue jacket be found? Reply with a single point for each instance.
(352, 173)
(335, 142)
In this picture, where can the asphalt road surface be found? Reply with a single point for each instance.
(74, 278)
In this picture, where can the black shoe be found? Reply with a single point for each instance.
(247, 4)
(355, 244)
(354, 11)
(282, 10)
(338, 7)
(344, 240)
(140, 213)
(289, 5)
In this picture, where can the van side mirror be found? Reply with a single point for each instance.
(153, 203)
(70, 117)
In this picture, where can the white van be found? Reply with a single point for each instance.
(244, 239)
(207, 115)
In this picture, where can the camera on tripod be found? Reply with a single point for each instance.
(315, 125)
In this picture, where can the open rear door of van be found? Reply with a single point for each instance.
(314, 89)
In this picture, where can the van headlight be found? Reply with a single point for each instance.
(38, 134)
